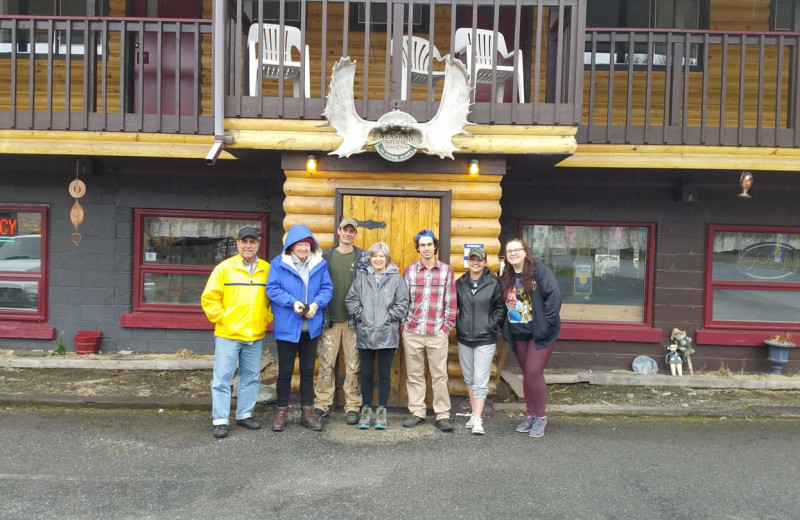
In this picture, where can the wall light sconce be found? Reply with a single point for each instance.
(474, 167)
(745, 182)
(311, 163)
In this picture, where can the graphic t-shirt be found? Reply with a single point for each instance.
(520, 310)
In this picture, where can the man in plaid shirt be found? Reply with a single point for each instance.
(431, 316)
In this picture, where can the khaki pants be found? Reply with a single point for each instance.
(338, 335)
(416, 345)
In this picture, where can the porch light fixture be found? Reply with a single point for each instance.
(311, 163)
(745, 182)
(474, 167)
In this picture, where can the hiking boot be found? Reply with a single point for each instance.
(413, 421)
(279, 424)
(321, 414)
(351, 418)
(477, 426)
(537, 430)
(366, 418)
(444, 424)
(380, 418)
(249, 423)
(220, 431)
(470, 422)
(309, 420)
(526, 425)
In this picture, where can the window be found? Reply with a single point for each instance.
(272, 12)
(59, 43)
(378, 17)
(23, 271)
(174, 253)
(753, 279)
(780, 15)
(603, 272)
(645, 14)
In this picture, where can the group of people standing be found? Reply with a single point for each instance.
(345, 298)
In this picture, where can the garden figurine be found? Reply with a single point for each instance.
(675, 360)
(684, 343)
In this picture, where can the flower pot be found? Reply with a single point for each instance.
(86, 342)
(778, 354)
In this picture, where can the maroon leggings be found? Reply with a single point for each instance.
(532, 362)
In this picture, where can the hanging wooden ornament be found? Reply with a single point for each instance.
(77, 188)
(76, 216)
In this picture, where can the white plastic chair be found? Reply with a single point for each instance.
(420, 57)
(484, 59)
(269, 65)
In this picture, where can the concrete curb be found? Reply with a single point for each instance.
(775, 412)
(107, 364)
(610, 378)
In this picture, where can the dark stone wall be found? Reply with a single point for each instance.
(91, 283)
(638, 195)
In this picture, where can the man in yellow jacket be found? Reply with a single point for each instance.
(235, 300)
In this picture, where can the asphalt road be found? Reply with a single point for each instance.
(110, 464)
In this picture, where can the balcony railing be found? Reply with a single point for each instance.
(679, 87)
(104, 74)
(544, 87)
(633, 86)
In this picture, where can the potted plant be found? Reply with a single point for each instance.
(779, 347)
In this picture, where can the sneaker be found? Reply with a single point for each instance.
(526, 425)
(366, 418)
(477, 426)
(220, 431)
(380, 418)
(351, 418)
(470, 422)
(321, 414)
(249, 423)
(413, 421)
(537, 430)
(444, 424)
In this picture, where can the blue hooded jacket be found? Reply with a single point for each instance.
(285, 286)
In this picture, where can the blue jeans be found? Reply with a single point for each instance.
(228, 353)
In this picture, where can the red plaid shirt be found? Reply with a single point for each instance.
(432, 298)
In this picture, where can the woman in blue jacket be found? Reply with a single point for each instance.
(299, 287)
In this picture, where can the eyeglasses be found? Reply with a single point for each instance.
(516, 250)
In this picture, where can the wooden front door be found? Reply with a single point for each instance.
(394, 220)
(146, 55)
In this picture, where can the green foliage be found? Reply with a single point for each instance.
(60, 349)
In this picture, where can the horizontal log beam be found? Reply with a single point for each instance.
(683, 157)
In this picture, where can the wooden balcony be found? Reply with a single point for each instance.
(618, 86)
(691, 88)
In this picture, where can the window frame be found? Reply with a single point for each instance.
(739, 332)
(169, 316)
(642, 332)
(14, 324)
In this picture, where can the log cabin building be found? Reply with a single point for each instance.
(610, 134)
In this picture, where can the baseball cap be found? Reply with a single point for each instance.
(477, 251)
(248, 231)
(347, 221)
(424, 233)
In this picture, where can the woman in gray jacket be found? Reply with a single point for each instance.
(377, 301)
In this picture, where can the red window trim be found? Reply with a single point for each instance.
(31, 325)
(613, 330)
(162, 316)
(738, 333)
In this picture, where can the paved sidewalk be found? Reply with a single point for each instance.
(571, 392)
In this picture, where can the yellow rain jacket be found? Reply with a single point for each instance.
(236, 302)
